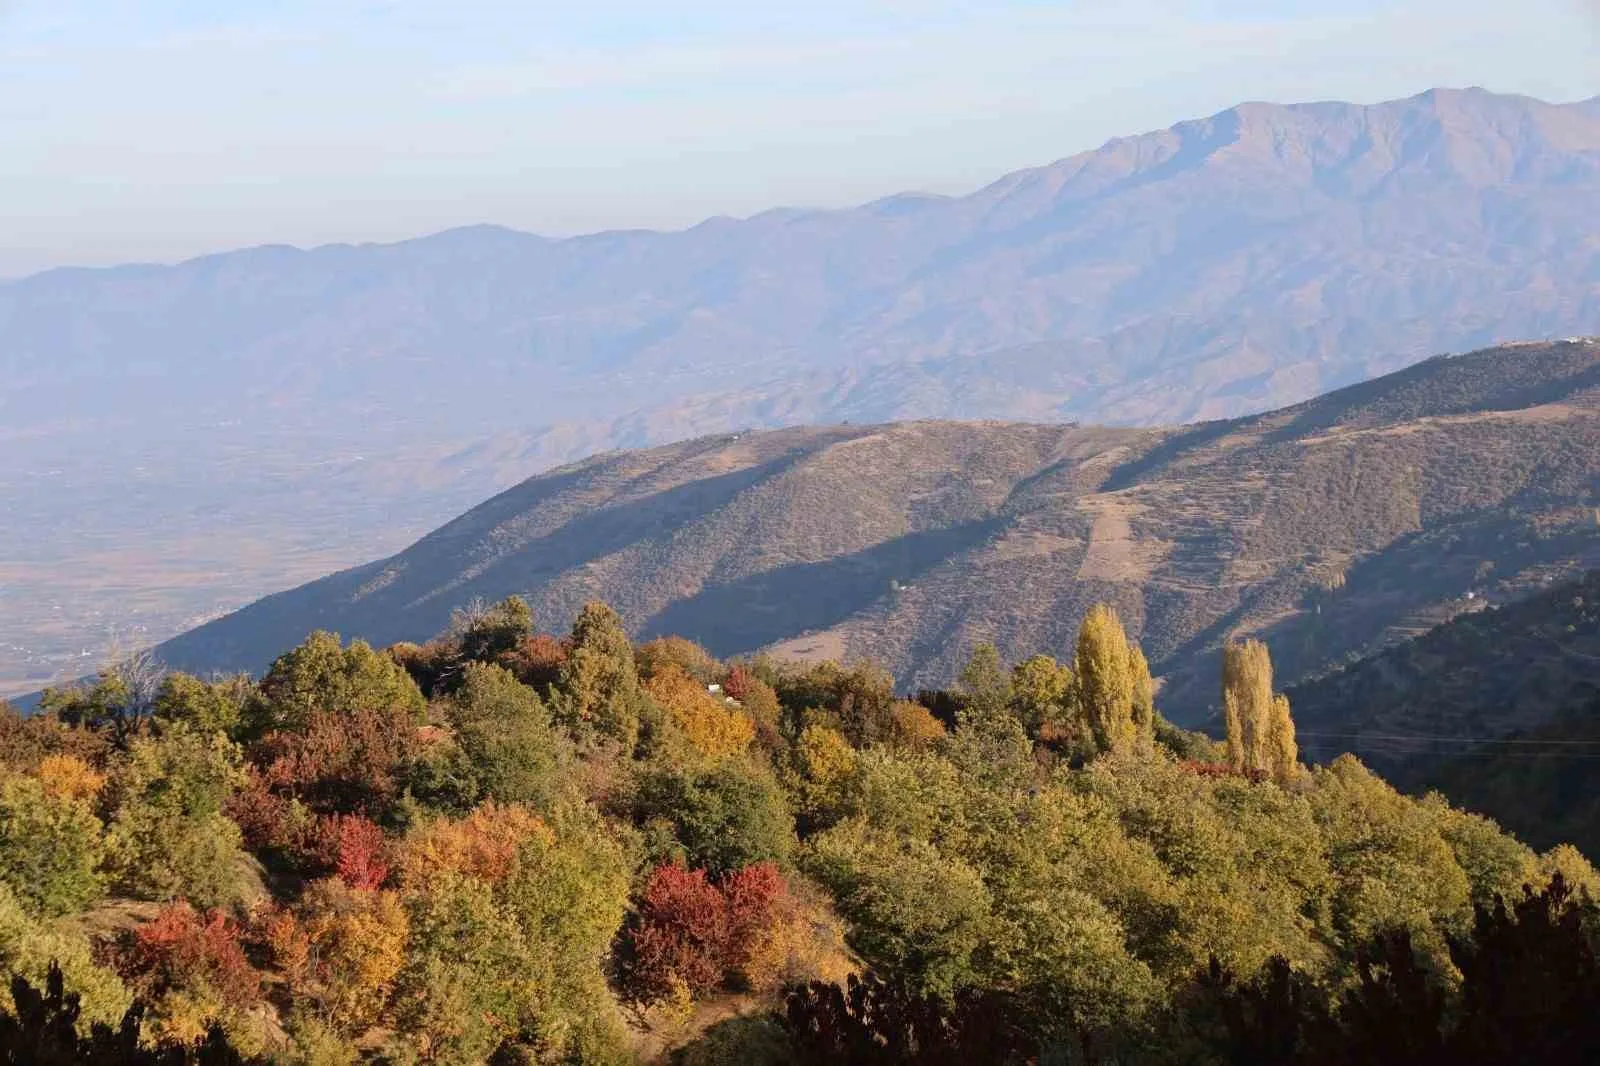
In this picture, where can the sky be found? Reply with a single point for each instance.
(154, 130)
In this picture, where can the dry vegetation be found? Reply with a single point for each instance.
(1329, 530)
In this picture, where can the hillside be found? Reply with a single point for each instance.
(281, 411)
(1499, 708)
(1329, 528)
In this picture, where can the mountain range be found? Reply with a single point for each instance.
(276, 413)
(1330, 529)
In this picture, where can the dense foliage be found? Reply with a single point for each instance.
(512, 847)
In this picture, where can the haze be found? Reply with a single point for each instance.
(160, 130)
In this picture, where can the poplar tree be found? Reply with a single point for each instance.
(1104, 678)
(1144, 699)
(1247, 703)
(1283, 754)
(1260, 730)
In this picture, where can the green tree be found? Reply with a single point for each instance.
(984, 684)
(485, 633)
(206, 706)
(169, 837)
(512, 752)
(322, 675)
(914, 912)
(51, 848)
(1041, 695)
(29, 945)
(599, 678)
(725, 818)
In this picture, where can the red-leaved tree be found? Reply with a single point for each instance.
(181, 948)
(694, 933)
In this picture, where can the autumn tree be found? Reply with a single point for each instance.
(1107, 682)
(714, 729)
(1260, 731)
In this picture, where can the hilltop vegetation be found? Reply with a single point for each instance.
(1328, 530)
(506, 846)
(1499, 708)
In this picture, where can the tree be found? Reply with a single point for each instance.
(121, 700)
(984, 684)
(487, 633)
(169, 835)
(1104, 679)
(356, 941)
(205, 706)
(713, 728)
(695, 936)
(1041, 695)
(1247, 708)
(323, 676)
(727, 817)
(1283, 755)
(43, 1029)
(511, 751)
(1530, 980)
(870, 1022)
(1144, 699)
(183, 949)
(30, 946)
(51, 848)
(599, 677)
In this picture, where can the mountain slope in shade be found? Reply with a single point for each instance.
(1499, 708)
(1329, 528)
(1223, 266)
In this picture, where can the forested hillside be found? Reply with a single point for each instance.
(1500, 708)
(1329, 529)
(510, 846)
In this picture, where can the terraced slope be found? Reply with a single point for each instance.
(1330, 528)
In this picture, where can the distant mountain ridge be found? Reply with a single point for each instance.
(1226, 265)
(1329, 529)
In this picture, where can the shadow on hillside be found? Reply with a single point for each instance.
(416, 602)
(1442, 387)
(1407, 580)
(745, 615)
(1182, 443)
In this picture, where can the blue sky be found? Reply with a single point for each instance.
(158, 129)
